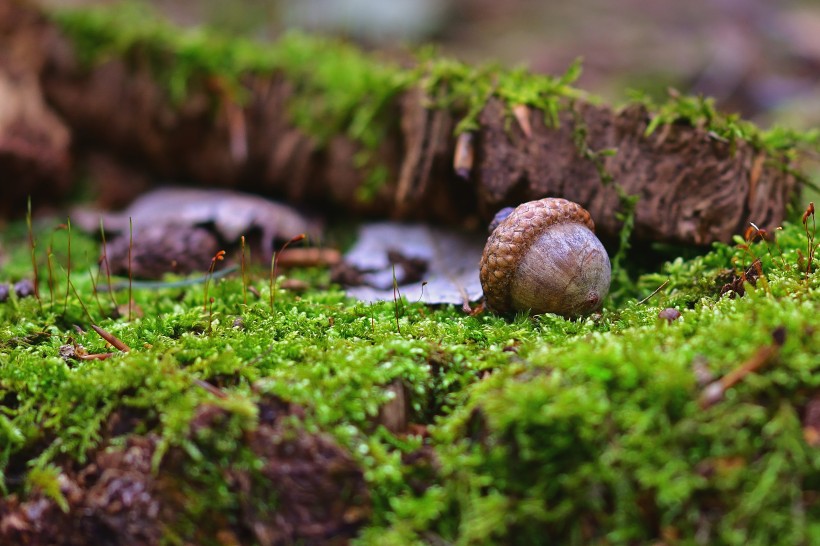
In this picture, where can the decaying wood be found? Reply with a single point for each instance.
(393, 415)
(693, 187)
(34, 142)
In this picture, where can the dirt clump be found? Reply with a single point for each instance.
(301, 488)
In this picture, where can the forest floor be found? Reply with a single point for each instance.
(264, 408)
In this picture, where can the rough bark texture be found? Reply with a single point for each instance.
(693, 187)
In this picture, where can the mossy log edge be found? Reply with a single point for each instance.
(693, 186)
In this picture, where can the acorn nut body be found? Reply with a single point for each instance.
(543, 257)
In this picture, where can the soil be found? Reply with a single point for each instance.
(319, 494)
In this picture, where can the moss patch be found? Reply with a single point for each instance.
(581, 431)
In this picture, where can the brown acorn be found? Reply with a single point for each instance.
(544, 257)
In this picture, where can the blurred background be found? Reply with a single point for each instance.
(756, 57)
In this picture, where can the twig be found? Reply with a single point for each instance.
(110, 338)
(474, 311)
(310, 257)
(216, 391)
(96, 356)
(713, 392)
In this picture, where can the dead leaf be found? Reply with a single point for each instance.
(451, 258)
(231, 214)
(179, 229)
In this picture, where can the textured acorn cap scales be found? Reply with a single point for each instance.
(544, 257)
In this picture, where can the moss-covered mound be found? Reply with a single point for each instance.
(261, 425)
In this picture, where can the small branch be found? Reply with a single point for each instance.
(97, 356)
(216, 391)
(713, 392)
(110, 338)
(309, 257)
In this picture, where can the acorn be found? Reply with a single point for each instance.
(543, 257)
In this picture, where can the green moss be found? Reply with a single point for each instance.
(585, 431)
(46, 480)
(581, 431)
(781, 143)
(335, 357)
(597, 435)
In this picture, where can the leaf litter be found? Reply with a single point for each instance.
(431, 265)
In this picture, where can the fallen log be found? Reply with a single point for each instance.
(317, 121)
(34, 142)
